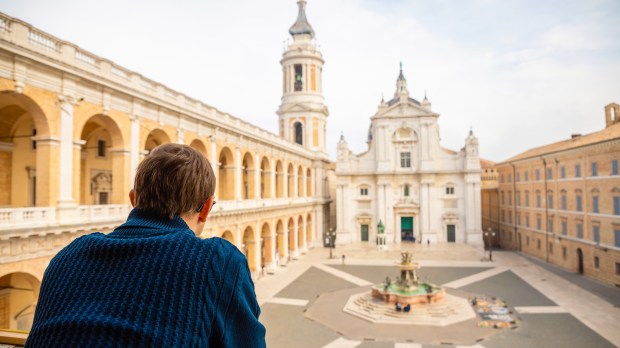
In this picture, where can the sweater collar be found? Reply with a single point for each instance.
(141, 222)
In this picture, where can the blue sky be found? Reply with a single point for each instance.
(521, 73)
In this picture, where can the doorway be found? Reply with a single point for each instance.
(580, 261)
(406, 229)
(364, 233)
(451, 229)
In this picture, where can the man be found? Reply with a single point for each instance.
(152, 282)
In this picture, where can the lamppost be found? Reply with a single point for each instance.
(490, 234)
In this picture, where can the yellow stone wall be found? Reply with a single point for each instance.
(6, 169)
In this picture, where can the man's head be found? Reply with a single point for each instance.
(173, 180)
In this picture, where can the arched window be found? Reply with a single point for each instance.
(406, 191)
(299, 134)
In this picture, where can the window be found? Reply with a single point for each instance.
(550, 224)
(526, 176)
(563, 172)
(579, 230)
(101, 148)
(564, 252)
(527, 220)
(517, 177)
(450, 190)
(550, 248)
(537, 199)
(509, 197)
(617, 238)
(578, 201)
(538, 244)
(618, 268)
(510, 217)
(595, 234)
(299, 80)
(563, 200)
(549, 173)
(527, 199)
(518, 198)
(564, 227)
(364, 191)
(537, 174)
(538, 223)
(614, 167)
(503, 216)
(518, 219)
(33, 144)
(405, 159)
(503, 200)
(299, 133)
(577, 171)
(596, 262)
(406, 191)
(527, 240)
(501, 178)
(595, 204)
(509, 177)
(550, 200)
(594, 169)
(616, 205)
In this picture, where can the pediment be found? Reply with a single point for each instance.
(405, 109)
(302, 107)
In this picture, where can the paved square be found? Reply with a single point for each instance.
(551, 311)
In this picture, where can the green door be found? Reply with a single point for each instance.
(364, 233)
(406, 228)
(451, 234)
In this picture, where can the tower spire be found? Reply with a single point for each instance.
(301, 26)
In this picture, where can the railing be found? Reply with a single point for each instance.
(13, 217)
(103, 212)
(233, 205)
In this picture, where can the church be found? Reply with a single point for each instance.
(406, 187)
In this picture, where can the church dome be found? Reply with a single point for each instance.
(301, 26)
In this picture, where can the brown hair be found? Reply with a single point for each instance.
(172, 180)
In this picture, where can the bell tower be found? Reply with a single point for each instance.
(302, 112)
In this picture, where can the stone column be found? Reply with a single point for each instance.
(304, 236)
(285, 180)
(180, 136)
(257, 177)
(135, 147)
(121, 158)
(295, 183)
(66, 204)
(77, 170)
(295, 251)
(272, 178)
(237, 169)
(214, 161)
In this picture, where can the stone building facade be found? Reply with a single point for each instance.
(74, 126)
(561, 202)
(406, 182)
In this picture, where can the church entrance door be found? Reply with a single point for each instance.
(364, 233)
(406, 228)
(451, 233)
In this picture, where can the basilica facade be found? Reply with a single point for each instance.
(406, 187)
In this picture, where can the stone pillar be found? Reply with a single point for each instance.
(121, 159)
(180, 136)
(214, 161)
(272, 178)
(77, 170)
(237, 173)
(134, 148)
(66, 204)
(295, 183)
(304, 236)
(257, 176)
(46, 171)
(285, 181)
(295, 249)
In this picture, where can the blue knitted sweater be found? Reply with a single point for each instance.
(149, 283)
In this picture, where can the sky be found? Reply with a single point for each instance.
(519, 73)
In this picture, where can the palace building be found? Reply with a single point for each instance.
(74, 126)
(561, 202)
(406, 183)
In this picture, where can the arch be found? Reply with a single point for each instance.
(298, 133)
(279, 179)
(309, 234)
(309, 192)
(200, 146)
(249, 247)
(21, 291)
(404, 134)
(229, 236)
(267, 247)
(247, 176)
(579, 261)
(101, 170)
(265, 178)
(291, 235)
(25, 152)
(155, 138)
(300, 181)
(301, 240)
(226, 174)
(290, 172)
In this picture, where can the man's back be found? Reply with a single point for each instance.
(151, 282)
